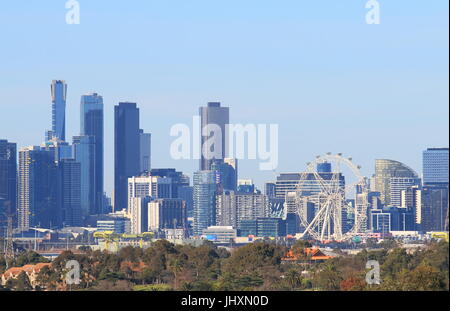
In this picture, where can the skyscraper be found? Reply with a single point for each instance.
(145, 156)
(59, 95)
(384, 171)
(126, 150)
(69, 193)
(398, 185)
(205, 188)
(37, 189)
(91, 124)
(435, 166)
(167, 214)
(213, 116)
(139, 214)
(84, 153)
(8, 179)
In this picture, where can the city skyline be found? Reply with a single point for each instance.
(380, 81)
(230, 146)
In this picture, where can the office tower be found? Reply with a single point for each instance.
(92, 124)
(8, 180)
(138, 212)
(263, 227)
(84, 153)
(246, 186)
(269, 190)
(145, 149)
(213, 118)
(432, 209)
(177, 179)
(126, 150)
(186, 193)
(69, 193)
(399, 184)
(402, 219)
(60, 149)
(380, 221)
(286, 182)
(167, 214)
(37, 189)
(384, 171)
(435, 166)
(226, 176)
(59, 95)
(289, 182)
(205, 188)
(391, 218)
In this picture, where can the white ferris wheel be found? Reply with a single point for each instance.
(322, 199)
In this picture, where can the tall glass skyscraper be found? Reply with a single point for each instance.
(69, 193)
(435, 166)
(126, 150)
(8, 179)
(37, 185)
(219, 116)
(204, 200)
(91, 124)
(59, 95)
(146, 145)
(84, 153)
(385, 171)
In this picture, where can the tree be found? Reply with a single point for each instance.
(353, 284)
(299, 249)
(294, 279)
(22, 283)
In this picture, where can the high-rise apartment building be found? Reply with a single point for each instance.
(138, 213)
(204, 193)
(59, 95)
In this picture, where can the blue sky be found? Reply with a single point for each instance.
(332, 82)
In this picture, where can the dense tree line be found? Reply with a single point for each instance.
(257, 266)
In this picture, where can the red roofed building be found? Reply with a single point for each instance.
(311, 254)
(31, 271)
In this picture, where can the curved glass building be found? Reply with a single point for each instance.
(388, 170)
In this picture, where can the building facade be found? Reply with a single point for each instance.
(204, 197)
(59, 94)
(384, 171)
(8, 180)
(92, 124)
(213, 117)
(126, 150)
(435, 166)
